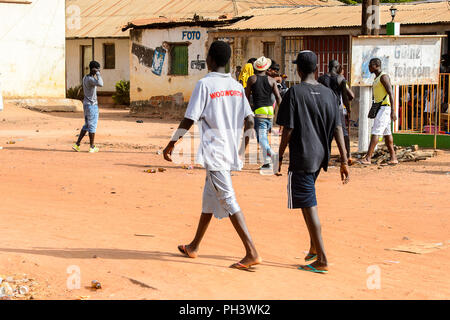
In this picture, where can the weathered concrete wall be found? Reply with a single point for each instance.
(151, 83)
(32, 49)
(110, 76)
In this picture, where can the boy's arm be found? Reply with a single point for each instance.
(339, 136)
(248, 88)
(276, 92)
(193, 113)
(184, 127)
(285, 138)
(99, 80)
(249, 124)
(91, 81)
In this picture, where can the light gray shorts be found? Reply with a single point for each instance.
(218, 195)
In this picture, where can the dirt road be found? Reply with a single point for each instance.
(59, 209)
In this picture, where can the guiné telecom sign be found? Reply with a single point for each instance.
(407, 59)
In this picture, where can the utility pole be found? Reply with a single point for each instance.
(376, 17)
(365, 93)
(235, 8)
(365, 17)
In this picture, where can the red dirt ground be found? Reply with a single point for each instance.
(60, 208)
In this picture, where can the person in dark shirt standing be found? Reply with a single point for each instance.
(311, 118)
(261, 87)
(338, 84)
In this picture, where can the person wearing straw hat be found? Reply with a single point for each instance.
(261, 87)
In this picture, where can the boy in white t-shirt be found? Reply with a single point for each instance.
(218, 102)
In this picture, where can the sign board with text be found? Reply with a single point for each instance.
(406, 59)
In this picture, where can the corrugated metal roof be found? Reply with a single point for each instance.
(105, 18)
(163, 23)
(341, 16)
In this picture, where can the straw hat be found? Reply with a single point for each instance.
(262, 64)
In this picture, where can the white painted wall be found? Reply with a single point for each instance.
(145, 84)
(110, 76)
(32, 49)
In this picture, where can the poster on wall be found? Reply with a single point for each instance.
(158, 60)
(406, 59)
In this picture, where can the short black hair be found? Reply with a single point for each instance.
(275, 66)
(251, 60)
(94, 64)
(306, 61)
(375, 61)
(333, 64)
(220, 52)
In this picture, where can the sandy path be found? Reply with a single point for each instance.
(60, 208)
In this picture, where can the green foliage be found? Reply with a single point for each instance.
(75, 93)
(122, 95)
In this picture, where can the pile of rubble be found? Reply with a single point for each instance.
(404, 154)
(18, 287)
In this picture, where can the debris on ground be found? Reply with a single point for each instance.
(188, 167)
(159, 152)
(418, 247)
(17, 287)
(11, 142)
(150, 171)
(143, 235)
(404, 154)
(161, 169)
(140, 121)
(95, 284)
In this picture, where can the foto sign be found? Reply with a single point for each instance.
(407, 60)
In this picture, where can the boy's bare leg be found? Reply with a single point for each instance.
(251, 256)
(91, 139)
(373, 143)
(389, 140)
(315, 232)
(203, 224)
(81, 136)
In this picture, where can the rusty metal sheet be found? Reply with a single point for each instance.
(343, 16)
(105, 18)
(407, 60)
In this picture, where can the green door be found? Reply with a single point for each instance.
(179, 55)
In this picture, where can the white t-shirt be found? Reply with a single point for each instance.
(219, 103)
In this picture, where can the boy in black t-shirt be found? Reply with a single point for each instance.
(310, 116)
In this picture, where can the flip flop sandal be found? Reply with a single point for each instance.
(310, 257)
(310, 268)
(365, 163)
(183, 250)
(242, 267)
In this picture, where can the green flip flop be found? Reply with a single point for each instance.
(310, 257)
(310, 268)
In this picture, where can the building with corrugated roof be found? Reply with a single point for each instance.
(94, 29)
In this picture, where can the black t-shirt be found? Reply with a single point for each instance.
(312, 111)
(332, 81)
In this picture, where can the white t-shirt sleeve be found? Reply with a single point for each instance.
(197, 102)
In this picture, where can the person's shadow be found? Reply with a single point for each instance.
(118, 254)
